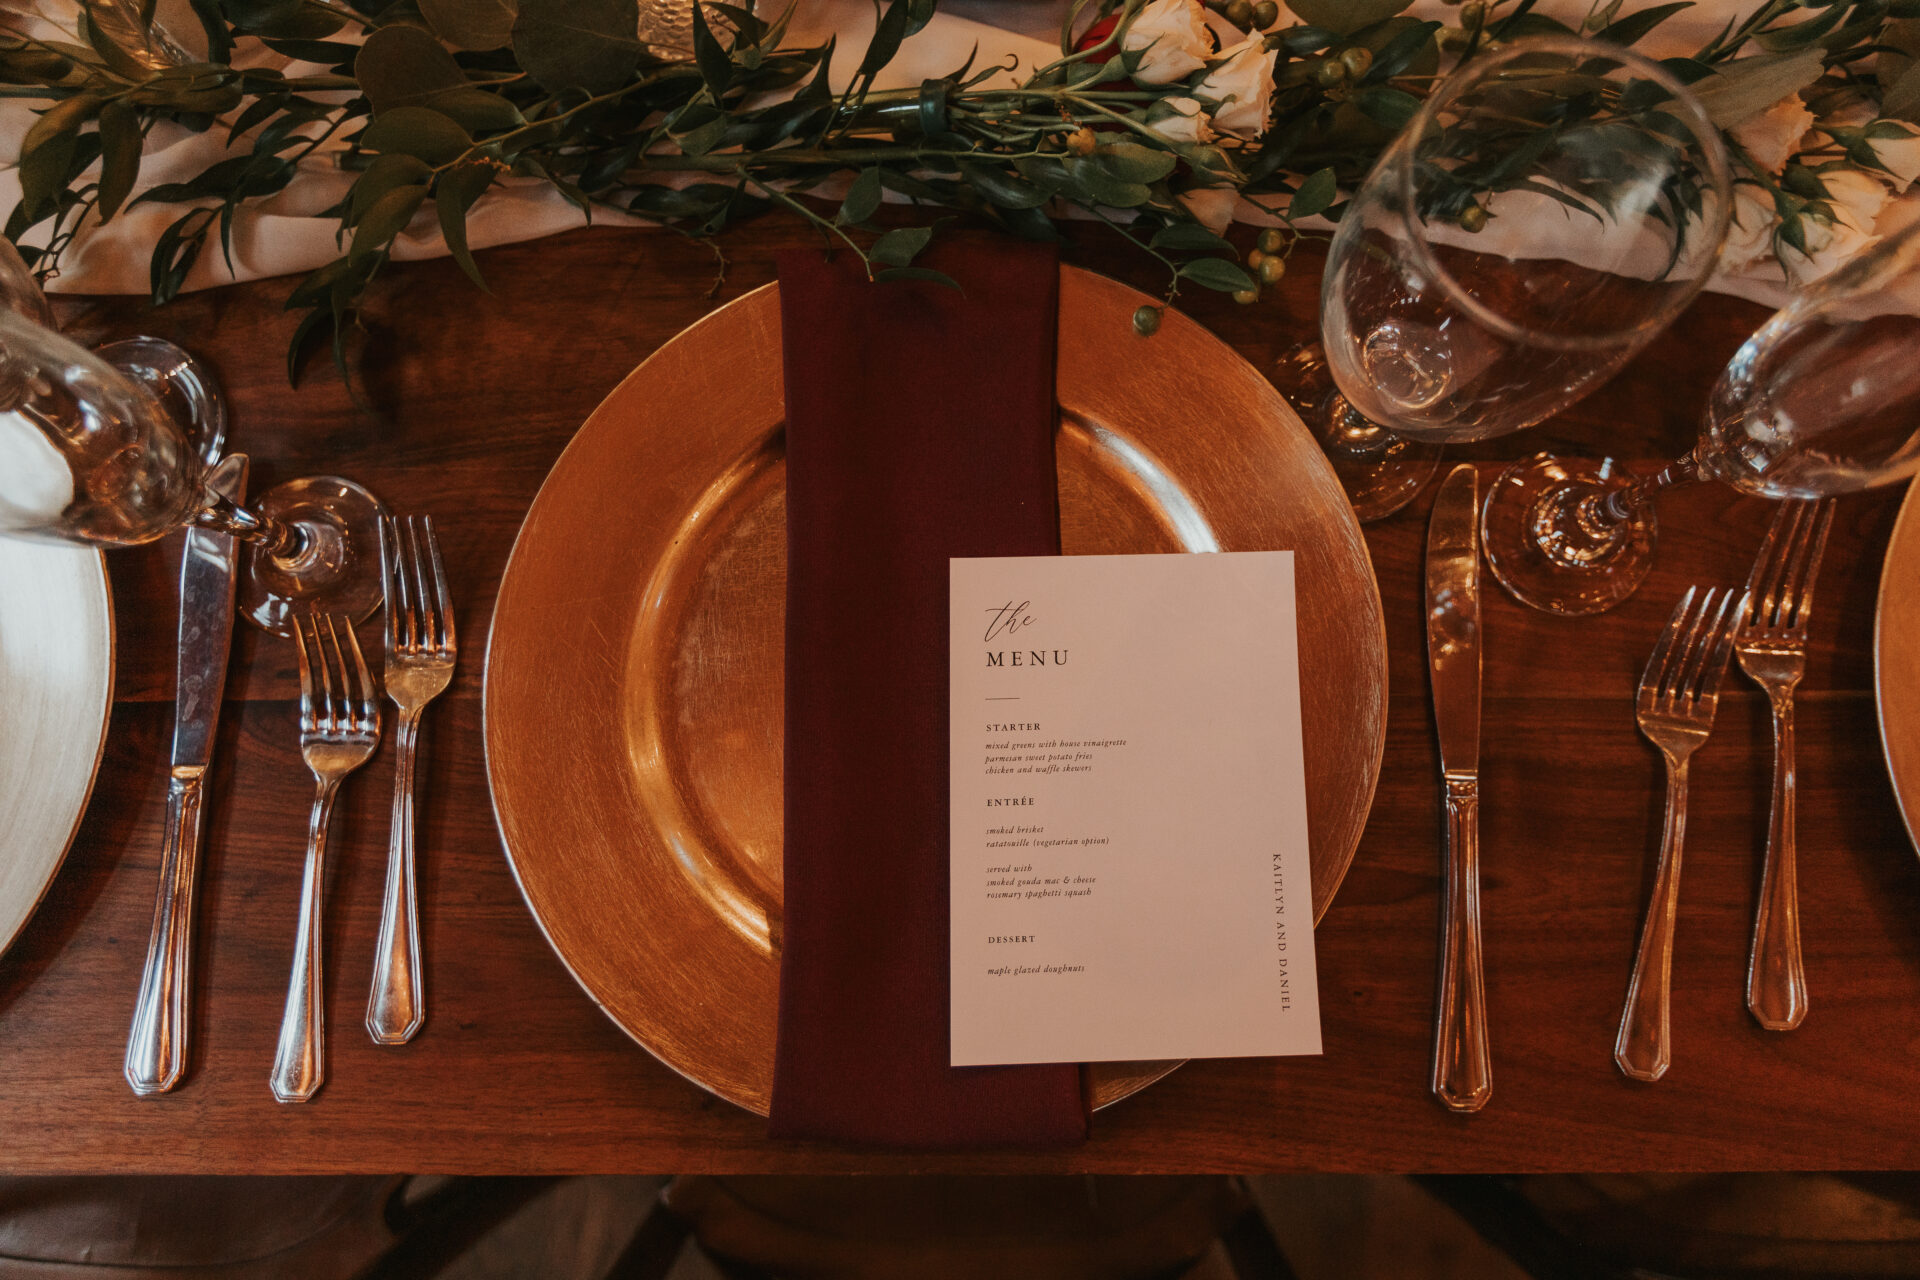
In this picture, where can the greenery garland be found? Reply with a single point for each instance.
(436, 100)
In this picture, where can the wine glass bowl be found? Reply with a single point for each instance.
(1547, 211)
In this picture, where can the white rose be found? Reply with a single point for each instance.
(1857, 197)
(1171, 37)
(1898, 153)
(1241, 82)
(1750, 232)
(1212, 206)
(1180, 120)
(1829, 246)
(1772, 136)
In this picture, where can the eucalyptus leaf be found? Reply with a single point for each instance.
(1903, 98)
(863, 197)
(120, 142)
(387, 218)
(286, 19)
(1000, 187)
(588, 45)
(1632, 28)
(1314, 195)
(1344, 17)
(899, 247)
(403, 65)
(385, 174)
(715, 67)
(1131, 162)
(417, 131)
(471, 24)
(1092, 177)
(62, 117)
(453, 195)
(1189, 237)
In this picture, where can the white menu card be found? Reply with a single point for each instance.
(1129, 820)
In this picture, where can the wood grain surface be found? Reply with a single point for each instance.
(474, 395)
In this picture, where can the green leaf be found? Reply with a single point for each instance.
(1217, 273)
(416, 131)
(1314, 195)
(1189, 237)
(403, 65)
(1387, 105)
(1902, 101)
(470, 24)
(175, 252)
(863, 197)
(1101, 187)
(283, 19)
(1344, 17)
(387, 218)
(65, 116)
(899, 247)
(1630, 29)
(887, 35)
(588, 45)
(918, 273)
(475, 110)
(1000, 187)
(715, 67)
(385, 174)
(120, 144)
(453, 195)
(1131, 162)
(1740, 90)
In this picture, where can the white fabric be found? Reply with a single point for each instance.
(283, 233)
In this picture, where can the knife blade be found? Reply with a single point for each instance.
(1462, 1066)
(157, 1043)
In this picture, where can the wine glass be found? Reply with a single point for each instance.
(1823, 399)
(1546, 212)
(91, 454)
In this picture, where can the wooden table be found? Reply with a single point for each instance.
(517, 1071)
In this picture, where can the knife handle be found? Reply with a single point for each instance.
(1462, 1066)
(157, 1044)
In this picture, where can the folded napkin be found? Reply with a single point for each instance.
(919, 427)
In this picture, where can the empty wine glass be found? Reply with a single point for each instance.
(1546, 212)
(91, 454)
(1823, 399)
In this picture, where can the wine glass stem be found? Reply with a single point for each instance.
(1618, 507)
(284, 542)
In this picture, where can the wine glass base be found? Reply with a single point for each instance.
(1380, 471)
(185, 386)
(339, 569)
(1545, 554)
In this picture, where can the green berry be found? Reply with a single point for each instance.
(1246, 297)
(1240, 13)
(1271, 269)
(1146, 320)
(1473, 218)
(1265, 14)
(1271, 241)
(1473, 14)
(1329, 73)
(1255, 258)
(1082, 141)
(1356, 60)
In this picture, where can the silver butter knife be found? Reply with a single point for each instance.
(1462, 1068)
(157, 1045)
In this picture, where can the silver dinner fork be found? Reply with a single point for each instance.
(1679, 693)
(421, 648)
(339, 729)
(1773, 651)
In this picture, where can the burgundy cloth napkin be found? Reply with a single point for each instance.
(919, 427)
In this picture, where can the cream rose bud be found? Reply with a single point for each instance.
(1750, 231)
(1172, 40)
(1212, 207)
(1180, 120)
(1898, 152)
(1772, 136)
(1857, 197)
(1241, 83)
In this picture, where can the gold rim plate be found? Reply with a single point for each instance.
(1896, 661)
(633, 699)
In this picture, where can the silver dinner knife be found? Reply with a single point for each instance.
(1462, 1067)
(157, 1045)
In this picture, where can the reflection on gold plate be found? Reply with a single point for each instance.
(1896, 661)
(634, 676)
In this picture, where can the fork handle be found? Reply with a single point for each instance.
(397, 1005)
(1776, 975)
(299, 1063)
(157, 1042)
(1644, 1048)
(1462, 1065)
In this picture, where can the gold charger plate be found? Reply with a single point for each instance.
(633, 701)
(1896, 660)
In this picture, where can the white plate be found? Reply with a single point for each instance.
(56, 691)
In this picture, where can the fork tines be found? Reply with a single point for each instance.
(321, 657)
(1684, 672)
(1781, 583)
(419, 613)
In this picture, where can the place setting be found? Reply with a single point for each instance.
(938, 694)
